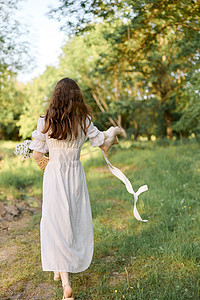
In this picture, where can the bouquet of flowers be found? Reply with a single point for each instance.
(23, 150)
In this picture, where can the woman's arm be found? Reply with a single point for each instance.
(39, 145)
(103, 139)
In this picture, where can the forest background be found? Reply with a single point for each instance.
(137, 63)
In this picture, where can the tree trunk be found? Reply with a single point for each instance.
(197, 136)
(136, 131)
(168, 125)
(149, 137)
(103, 109)
(119, 121)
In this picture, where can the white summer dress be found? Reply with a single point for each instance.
(66, 229)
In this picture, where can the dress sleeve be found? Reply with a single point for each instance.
(39, 144)
(95, 135)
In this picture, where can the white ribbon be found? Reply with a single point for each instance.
(116, 172)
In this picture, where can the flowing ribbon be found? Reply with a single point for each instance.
(116, 172)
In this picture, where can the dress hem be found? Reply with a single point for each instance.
(68, 271)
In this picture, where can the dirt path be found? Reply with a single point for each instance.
(17, 238)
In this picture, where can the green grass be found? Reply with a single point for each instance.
(159, 259)
(18, 180)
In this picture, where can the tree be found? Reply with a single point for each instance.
(13, 57)
(79, 16)
(79, 60)
(157, 41)
(190, 107)
(12, 100)
(14, 49)
(36, 95)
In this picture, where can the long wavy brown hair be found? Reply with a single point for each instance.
(67, 111)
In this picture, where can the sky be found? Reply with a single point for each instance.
(44, 37)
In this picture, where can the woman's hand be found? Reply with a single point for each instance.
(37, 155)
(111, 138)
(40, 159)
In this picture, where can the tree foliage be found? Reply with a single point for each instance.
(79, 16)
(137, 63)
(36, 94)
(190, 106)
(12, 100)
(150, 48)
(13, 44)
(13, 57)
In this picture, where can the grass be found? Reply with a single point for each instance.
(159, 259)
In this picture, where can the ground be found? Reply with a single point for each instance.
(132, 260)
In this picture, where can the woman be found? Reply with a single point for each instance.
(66, 225)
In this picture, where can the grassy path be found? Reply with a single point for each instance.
(132, 260)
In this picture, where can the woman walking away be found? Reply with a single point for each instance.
(66, 225)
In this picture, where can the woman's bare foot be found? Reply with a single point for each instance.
(56, 276)
(67, 291)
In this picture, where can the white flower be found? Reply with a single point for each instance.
(23, 149)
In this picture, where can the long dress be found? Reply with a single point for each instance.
(66, 229)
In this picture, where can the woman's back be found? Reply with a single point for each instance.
(65, 150)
